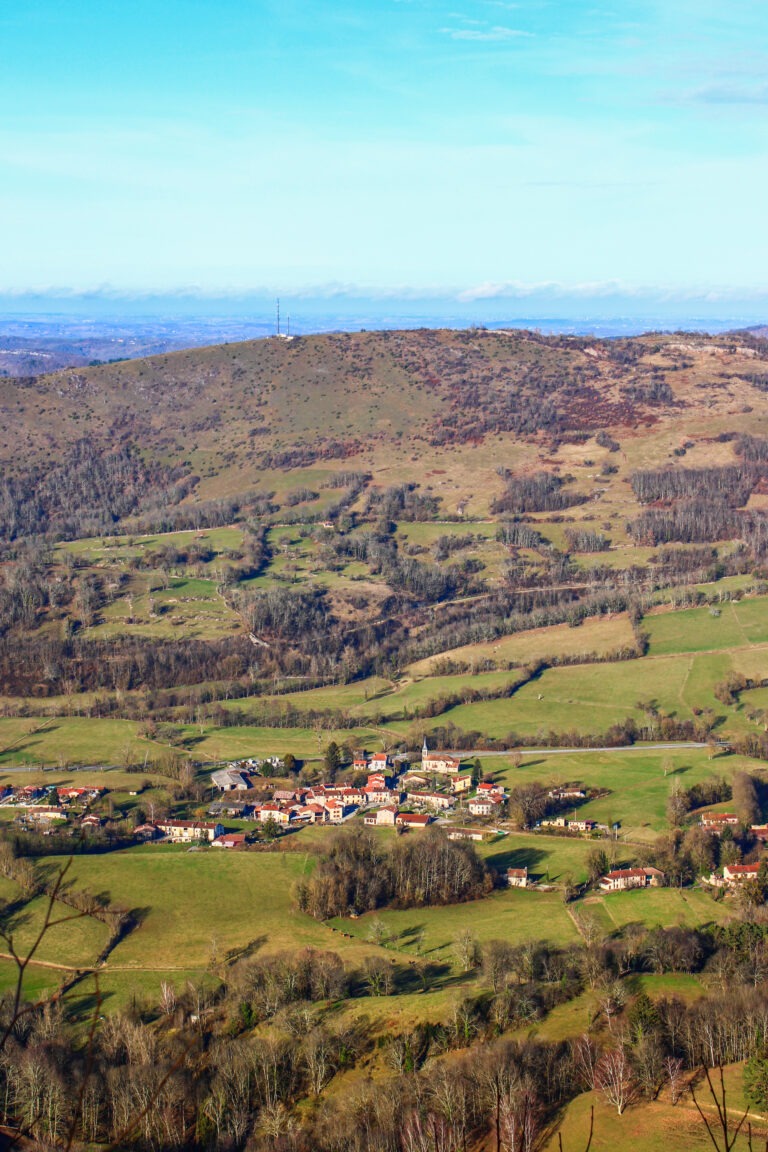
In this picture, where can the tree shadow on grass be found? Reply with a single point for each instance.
(529, 858)
(189, 742)
(82, 1007)
(245, 951)
(411, 934)
(13, 917)
(409, 979)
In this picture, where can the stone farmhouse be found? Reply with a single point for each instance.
(485, 805)
(384, 817)
(517, 877)
(190, 831)
(412, 820)
(623, 878)
(735, 874)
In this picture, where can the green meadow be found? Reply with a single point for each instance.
(728, 625)
(600, 635)
(633, 780)
(72, 740)
(590, 698)
(513, 914)
(118, 549)
(193, 909)
(664, 908)
(548, 858)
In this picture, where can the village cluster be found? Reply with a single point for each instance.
(396, 794)
(49, 808)
(45, 806)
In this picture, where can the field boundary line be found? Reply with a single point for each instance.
(575, 921)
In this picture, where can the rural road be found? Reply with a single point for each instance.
(464, 755)
(461, 754)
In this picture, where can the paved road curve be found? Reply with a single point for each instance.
(574, 751)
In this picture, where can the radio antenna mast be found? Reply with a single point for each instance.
(278, 315)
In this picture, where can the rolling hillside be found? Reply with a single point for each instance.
(399, 513)
(234, 413)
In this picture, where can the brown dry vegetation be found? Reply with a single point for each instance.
(233, 410)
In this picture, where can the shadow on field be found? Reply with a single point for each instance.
(530, 858)
(85, 1006)
(411, 935)
(402, 979)
(14, 916)
(245, 951)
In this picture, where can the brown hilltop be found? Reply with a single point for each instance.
(240, 409)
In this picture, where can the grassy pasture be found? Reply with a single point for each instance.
(647, 1127)
(188, 608)
(601, 635)
(59, 741)
(306, 743)
(359, 694)
(754, 699)
(39, 982)
(512, 914)
(616, 557)
(635, 782)
(118, 989)
(365, 697)
(192, 906)
(295, 558)
(491, 552)
(201, 903)
(663, 907)
(117, 549)
(72, 740)
(589, 698)
(116, 780)
(576, 1016)
(426, 533)
(581, 698)
(548, 858)
(738, 625)
(71, 943)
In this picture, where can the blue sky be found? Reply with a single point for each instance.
(468, 148)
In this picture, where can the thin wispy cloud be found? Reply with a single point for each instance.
(729, 94)
(340, 293)
(496, 33)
